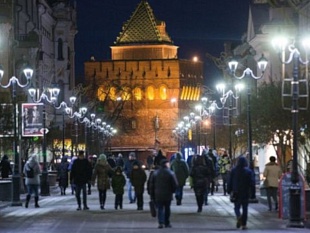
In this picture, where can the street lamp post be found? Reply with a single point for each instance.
(248, 73)
(231, 94)
(43, 98)
(294, 56)
(16, 172)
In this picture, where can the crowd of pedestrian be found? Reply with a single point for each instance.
(166, 180)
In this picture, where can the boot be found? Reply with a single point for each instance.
(78, 199)
(27, 201)
(36, 200)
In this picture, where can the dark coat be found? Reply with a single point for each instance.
(180, 168)
(5, 167)
(102, 172)
(63, 173)
(241, 180)
(200, 176)
(138, 178)
(118, 183)
(80, 172)
(163, 185)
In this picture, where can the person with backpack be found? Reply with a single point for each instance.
(32, 173)
(180, 168)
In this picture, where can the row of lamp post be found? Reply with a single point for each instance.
(14, 83)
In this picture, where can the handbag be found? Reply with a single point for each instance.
(265, 183)
(233, 197)
(152, 208)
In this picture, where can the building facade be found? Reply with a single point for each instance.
(40, 34)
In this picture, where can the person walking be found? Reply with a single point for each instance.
(272, 174)
(70, 168)
(241, 181)
(127, 170)
(138, 179)
(120, 161)
(199, 174)
(162, 186)
(159, 156)
(180, 168)
(224, 168)
(63, 175)
(79, 176)
(5, 167)
(214, 182)
(102, 172)
(118, 182)
(32, 173)
(211, 173)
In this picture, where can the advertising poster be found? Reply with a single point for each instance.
(32, 120)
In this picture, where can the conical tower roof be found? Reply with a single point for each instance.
(143, 28)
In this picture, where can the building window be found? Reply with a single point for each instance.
(163, 92)
(126, 94)
(60, 49)
(150, 93)
(101, 94)
(112, 93)
(137, 93)
(133, 124)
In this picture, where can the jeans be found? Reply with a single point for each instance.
(131, 192)
(78, 189)
(179, 193)
(225, 179)
(244, 216)
(33, 188)
(163, 209)
(272, 193)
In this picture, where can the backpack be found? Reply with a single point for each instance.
(30, 172)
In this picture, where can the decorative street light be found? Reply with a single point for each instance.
(52, 99)
(282, 45)
(16, 172)
(248, 73)
(231, 95)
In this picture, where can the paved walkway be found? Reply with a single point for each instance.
(58, 215)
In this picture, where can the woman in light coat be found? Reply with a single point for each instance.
(32, 183)
(272, 174)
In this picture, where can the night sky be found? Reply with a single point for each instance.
(196, 26)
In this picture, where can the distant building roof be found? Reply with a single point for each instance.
(143, 28)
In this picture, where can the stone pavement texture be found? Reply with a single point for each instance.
(58, 214)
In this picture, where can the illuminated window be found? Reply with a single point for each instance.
(101, 93)
(112, 93)
(137, 93)
(126, 93)
(163, 92)
(150, 93)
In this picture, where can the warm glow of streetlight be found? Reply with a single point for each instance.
(195, 59)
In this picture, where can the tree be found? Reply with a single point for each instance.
(271, 123)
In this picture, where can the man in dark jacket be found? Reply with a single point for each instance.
(80, 176)
(163, 185)
(127, 169)
(241, 180)
(180, 168)
(5, 167)
(211, 173)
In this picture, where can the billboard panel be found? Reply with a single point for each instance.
(32, 120)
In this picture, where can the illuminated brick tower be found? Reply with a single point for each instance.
(149, 83)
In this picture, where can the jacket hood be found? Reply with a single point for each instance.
(242, 162)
